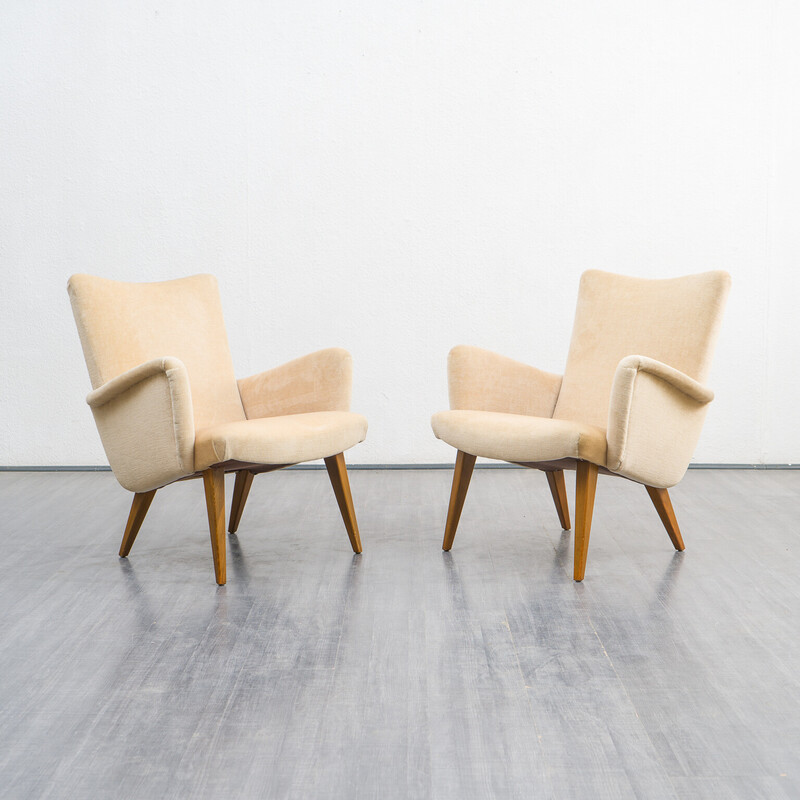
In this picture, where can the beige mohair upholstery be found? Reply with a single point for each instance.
(166, 401)
(123, 325)
(484, 381)
(518, 437)
(280, 440)
(639, 354)
(146, 424)
(318, 382)
(675, 321)
(654, 421)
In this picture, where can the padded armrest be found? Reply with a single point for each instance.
(320, 381)
(116, 386)
(655, 416)
(146, 423)
(679, 380)
(480, 380)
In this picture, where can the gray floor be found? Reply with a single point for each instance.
(404, 672)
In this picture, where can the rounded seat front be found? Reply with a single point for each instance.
(288, 439)
(518, 437)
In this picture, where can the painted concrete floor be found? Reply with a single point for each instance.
(405, 672)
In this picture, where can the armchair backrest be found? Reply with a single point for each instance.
(122, 325)
(675, 320)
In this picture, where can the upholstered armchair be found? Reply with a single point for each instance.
(631, 401)
(168, 406)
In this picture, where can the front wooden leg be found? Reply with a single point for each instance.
(462, 475)
(585, 485)
(663, 504)
(337, 472)
(214, 484)
(139, 508)
(555, 479)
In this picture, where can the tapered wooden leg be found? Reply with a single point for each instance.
(244, 480)
(337, 472)
(585, 485)
(663, 504)
(555, 479)
(139, 508)
(462, 474)
(214, 484)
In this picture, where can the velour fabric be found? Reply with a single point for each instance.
(679, 380)
(481, 380)
(674, 320)
(116, 386)
(123, 325)
(518, 437)
(640, 353)
(146, 424)
(286, 439)
(654, 421)
(321, 381)
(165, 390)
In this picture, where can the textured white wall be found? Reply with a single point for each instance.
(396, 178)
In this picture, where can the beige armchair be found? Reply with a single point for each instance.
(631, 401)
(168, 407)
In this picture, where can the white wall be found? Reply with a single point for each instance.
(396, 178)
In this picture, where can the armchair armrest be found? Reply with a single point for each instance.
(655, 417)
(146, 423)
(121, 383)
(480, 380)
(320, 381)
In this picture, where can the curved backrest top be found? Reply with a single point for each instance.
(122, 325)
(674, 320)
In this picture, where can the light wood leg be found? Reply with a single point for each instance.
(244, 480)
(663, 504)
(462, 474)
(585, 485)
(139, 509)
(214, 484)
(555, 479)
(337, 472)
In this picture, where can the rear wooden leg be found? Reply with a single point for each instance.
(462, 474)
(214, 484)
(139, 508)
(555, 479)
(337, 472)
(663, 504)
(585, 485)
(244, 480)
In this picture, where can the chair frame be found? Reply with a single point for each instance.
(214, 485)
(585, 488)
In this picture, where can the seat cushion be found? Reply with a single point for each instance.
(518, 437)
(279, 440)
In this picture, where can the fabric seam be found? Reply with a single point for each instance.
(170, 385)
(629, 404)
